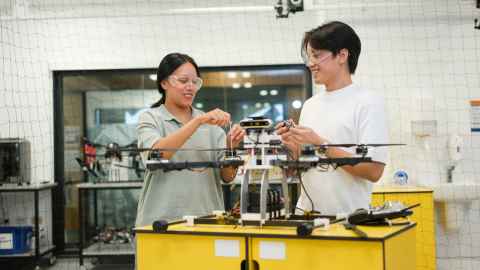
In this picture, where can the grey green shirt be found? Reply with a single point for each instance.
(172, 195)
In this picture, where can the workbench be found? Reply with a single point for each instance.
(252, 247)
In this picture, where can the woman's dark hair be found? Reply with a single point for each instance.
(167, 66)
(334, 36)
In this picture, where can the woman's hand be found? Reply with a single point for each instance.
(215, 117)
(235, 136)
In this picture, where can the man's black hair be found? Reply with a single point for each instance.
(334, 36)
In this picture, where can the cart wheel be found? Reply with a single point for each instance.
(52, 260)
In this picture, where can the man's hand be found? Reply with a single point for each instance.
(283, 128)
(301, 135)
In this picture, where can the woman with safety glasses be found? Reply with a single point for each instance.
(173, 123)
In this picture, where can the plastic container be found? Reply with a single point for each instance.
(400, 177)
(15, 239)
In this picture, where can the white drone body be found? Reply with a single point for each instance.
(260, 140)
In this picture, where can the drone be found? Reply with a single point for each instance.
(261, 151)
(104, 162)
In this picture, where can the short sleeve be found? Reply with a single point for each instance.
(373, 128)
(149, 131)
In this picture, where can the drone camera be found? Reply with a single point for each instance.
(295, 5)
(256, 123)
(285, 7)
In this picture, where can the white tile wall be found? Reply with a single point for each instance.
(423, 56)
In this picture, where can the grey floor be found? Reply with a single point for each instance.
(73, 264)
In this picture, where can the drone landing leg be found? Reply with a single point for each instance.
(286, 194)
(244, 193)
(263, 196)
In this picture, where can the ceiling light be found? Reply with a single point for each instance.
(263, 93)
(247, 85)
(244, 106)
(246, 74)
(258, 105)
(297, 104)
(231, 75)
(236, 85)
(153, 77)
(274, 92)
(199, 105)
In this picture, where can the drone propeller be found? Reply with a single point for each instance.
(358, 145)
(111, 145)
(361, 149)
(179, 149)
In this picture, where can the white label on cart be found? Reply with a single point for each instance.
(6, 240)
(227, 248)
(272, 250)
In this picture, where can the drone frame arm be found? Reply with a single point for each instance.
(372, 171)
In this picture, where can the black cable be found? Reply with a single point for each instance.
(304, 211)
(299, 175)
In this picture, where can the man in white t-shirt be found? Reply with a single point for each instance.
(344, 113)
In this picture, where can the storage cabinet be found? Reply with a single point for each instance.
(184, 251)
(423, 216)
(252, 247)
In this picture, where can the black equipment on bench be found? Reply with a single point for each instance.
(382, 215)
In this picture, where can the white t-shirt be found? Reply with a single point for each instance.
(347, 115)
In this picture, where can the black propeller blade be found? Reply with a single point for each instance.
(358, 145)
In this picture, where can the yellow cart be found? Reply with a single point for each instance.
(251, 247)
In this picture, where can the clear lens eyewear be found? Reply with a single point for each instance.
(182, 81)
(315, 58)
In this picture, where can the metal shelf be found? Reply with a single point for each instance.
(25, 187)
(111, 185)
(40, 251)
(99, 249)
(43, 250)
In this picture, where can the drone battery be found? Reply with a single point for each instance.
(253, 202)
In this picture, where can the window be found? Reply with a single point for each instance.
(104, 106)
